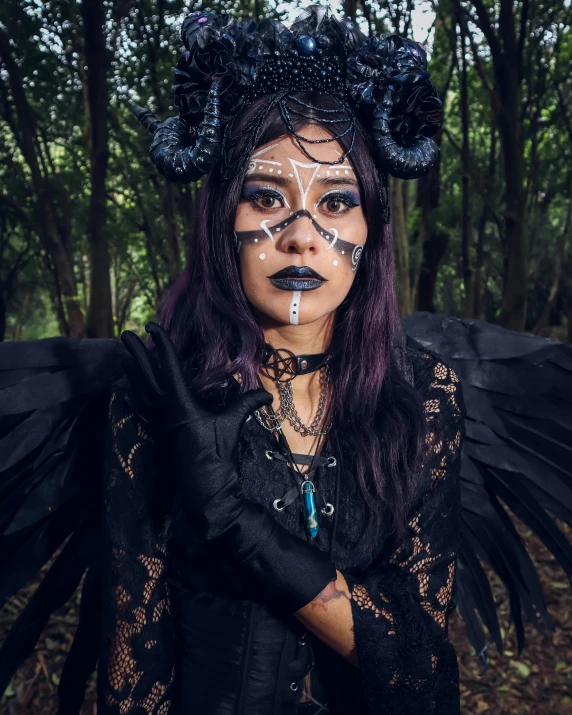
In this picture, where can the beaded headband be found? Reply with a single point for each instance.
(381, 80)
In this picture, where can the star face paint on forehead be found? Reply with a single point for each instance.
(296, 165)
(350, 251)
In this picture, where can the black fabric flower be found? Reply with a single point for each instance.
(218, 47)
(399, 65)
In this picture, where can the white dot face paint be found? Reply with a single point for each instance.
(335, 263)
(262, 256)
(295, 307)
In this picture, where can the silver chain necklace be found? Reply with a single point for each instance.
(272, 420)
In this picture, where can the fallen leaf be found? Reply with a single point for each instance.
(522, 668)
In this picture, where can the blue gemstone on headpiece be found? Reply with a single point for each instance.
(306, 45)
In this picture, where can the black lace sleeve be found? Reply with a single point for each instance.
(135, 672)
(401, 605)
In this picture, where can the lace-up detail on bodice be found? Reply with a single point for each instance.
(400, 600)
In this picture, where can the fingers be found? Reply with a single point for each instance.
(245, 405)
(141, 360)
(175, 385)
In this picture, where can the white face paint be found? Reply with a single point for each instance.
(260, 152)
(271, 164)
(267, 231)
(254, 160)
(340, 169)
(298, 189)
(295, 307)
(333, 231)
(296, 166)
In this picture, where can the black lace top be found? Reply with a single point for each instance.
(400, 599)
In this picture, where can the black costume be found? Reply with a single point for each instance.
(54, 417)
(77, 462)
(235, 655)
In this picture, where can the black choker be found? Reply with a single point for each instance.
(282, 365)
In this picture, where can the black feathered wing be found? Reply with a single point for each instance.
(518, 394)
(54, 395)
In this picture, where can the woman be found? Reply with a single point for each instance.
(283, 501)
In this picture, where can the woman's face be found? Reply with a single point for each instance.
(299, 230)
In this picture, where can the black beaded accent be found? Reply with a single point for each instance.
(295, 72)
(283, 100)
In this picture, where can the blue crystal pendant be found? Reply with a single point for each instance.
(308, 491)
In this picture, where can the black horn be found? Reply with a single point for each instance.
(179, 152)
(403, 162)
(146, 117)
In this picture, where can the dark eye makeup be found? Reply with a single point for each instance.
(350, 198)
(254, 193)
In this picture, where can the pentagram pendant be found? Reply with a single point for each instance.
(280, 364)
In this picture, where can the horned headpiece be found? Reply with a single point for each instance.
(381, 80)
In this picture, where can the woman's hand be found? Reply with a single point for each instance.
(201, 446)
(281, 569)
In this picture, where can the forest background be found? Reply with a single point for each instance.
(91, 235)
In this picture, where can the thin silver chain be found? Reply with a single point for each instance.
(272, 421)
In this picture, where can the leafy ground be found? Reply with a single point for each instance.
(539, 682)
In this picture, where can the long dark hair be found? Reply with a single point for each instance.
(376, 416)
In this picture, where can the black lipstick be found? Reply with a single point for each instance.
(297, 278)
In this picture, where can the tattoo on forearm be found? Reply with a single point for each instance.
(330, 593)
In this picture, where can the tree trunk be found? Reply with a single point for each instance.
(100, 314)
(55, 244)
(557, 271)
(506, 50)
(2, 318)
(466, 219)
(433, 252)
(480, 257)
(350, 9)
(514, 302)
(401, 246)
(433, 241)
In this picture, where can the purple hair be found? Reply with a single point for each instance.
(376, 416)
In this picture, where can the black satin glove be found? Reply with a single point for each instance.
(283, 570)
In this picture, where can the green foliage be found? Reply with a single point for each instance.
(149, 222)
